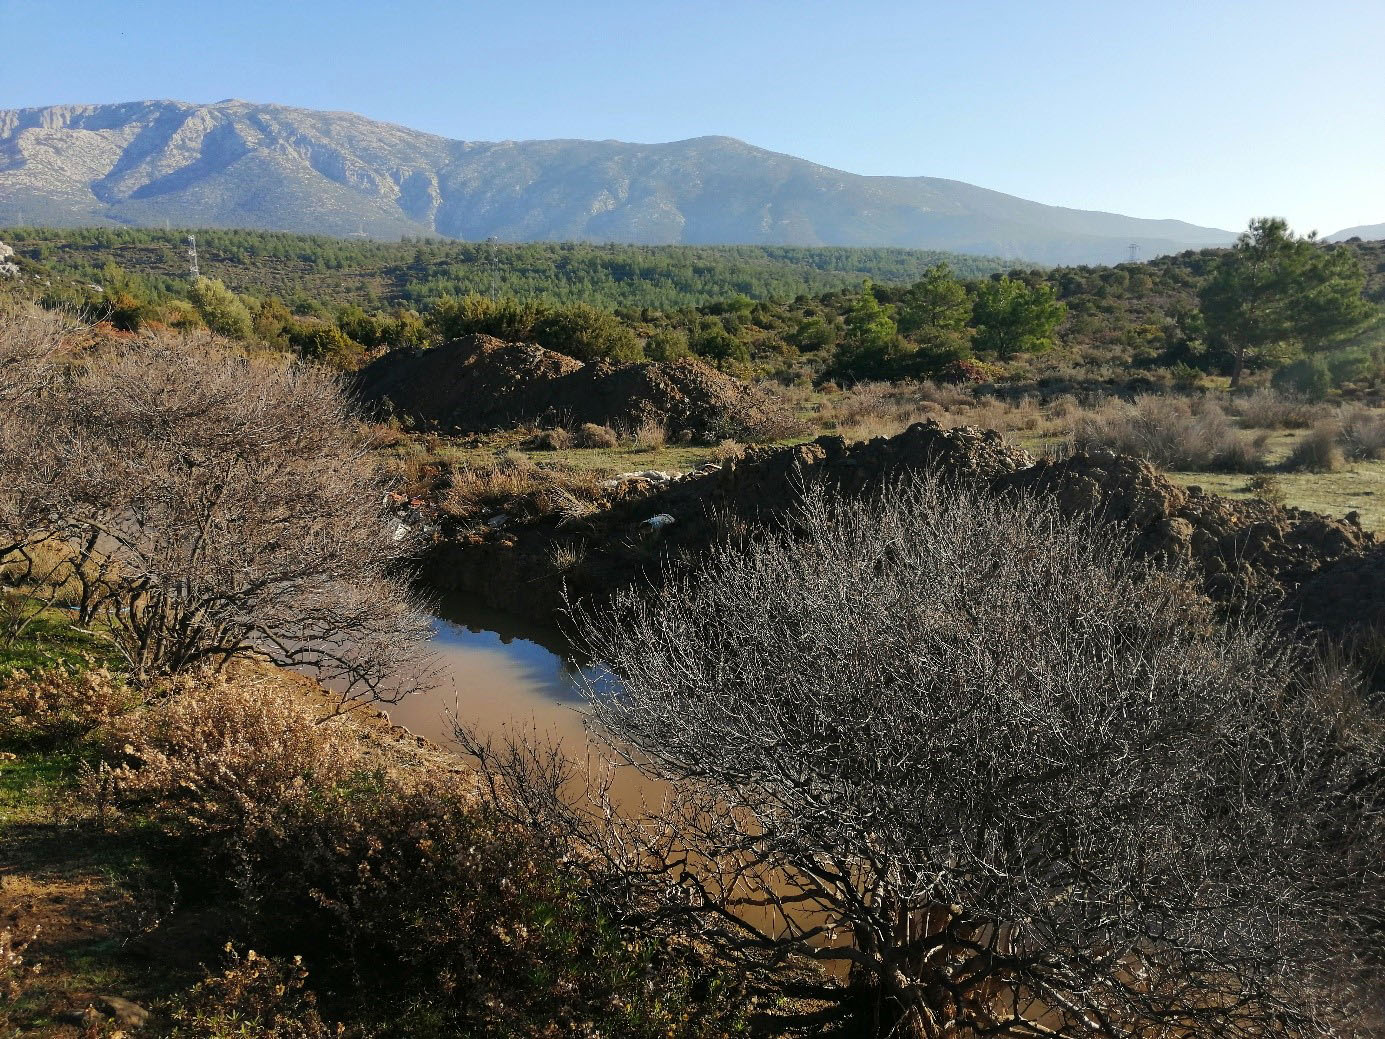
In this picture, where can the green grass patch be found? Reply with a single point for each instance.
(31, 782)
(52, 640)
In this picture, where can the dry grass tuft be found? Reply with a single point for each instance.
(1319, 450)
(1171, 432)
(649, 435)
(589, 434)
(1362, 432)
(1269, 409)
(516, 486)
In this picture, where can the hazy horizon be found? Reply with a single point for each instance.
(1205, 116)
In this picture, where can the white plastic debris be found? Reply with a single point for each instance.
(401, 531)
(659, 522)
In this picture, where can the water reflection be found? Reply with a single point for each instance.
(496, 670)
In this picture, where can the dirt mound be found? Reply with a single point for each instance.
(1242, 551)
(478, 384)
(1346, 596)
(617, 545)
(1312, 566)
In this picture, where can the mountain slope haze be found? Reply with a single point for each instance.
(238, 164)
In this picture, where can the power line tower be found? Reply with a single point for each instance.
(193, 272)
(1134, 252)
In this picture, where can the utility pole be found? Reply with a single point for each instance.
(193, 272)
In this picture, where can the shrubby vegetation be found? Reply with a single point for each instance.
(901, 714)
(316, 271)
(919, 315)
(969, 752)
(202, 506)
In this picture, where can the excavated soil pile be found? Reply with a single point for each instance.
(512, 568)
(1242, 551)
(478, 384)
(1346, 596)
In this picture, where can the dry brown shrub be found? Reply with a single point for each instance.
(1173, 432)
(226, 752)
(1270, 409)
(944, 394)
(1064, 407)
(879, 409)
(57, 705)
(255, 996)
(557, 439)
(237, 498)
(1362, 431)
(589, 434)
(727, 451)
(30, 338)
(369, 866)
(649, 435)
(1318, 451)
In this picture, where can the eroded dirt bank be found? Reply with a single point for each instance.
(1326, 571)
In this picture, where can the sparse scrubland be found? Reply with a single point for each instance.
(1014, 733)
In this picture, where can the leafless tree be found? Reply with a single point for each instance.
(1000, 778)
(30, 338)
(230, 509)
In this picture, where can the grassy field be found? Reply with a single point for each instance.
(1359, 486)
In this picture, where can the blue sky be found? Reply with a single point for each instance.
(1211, 112)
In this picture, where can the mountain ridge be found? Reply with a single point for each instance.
(1366, 232)
(237, 163)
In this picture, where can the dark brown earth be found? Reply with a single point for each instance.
(478, 383)
(1241, 551)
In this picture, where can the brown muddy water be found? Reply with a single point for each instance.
(496, 671)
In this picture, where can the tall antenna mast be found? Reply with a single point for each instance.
(193, 272)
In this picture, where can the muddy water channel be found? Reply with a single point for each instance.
(494, 671)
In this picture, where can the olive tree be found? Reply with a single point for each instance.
(231, 506)
(996, 776)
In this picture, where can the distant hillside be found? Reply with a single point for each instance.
(237, 164)
(311, 269)
(1366, 232)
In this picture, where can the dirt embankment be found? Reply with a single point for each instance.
(1239, 549)
(478, 384)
